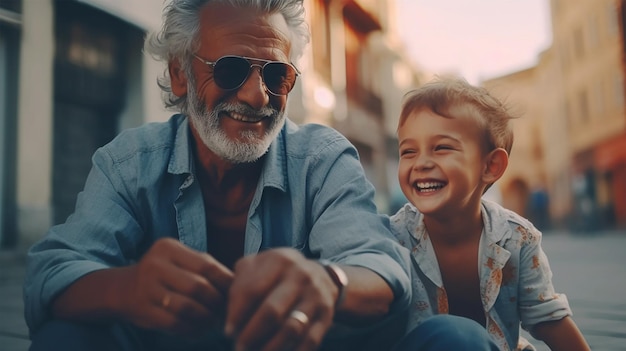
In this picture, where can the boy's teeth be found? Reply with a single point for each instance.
(429, 186)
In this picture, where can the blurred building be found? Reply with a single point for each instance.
(571, 139)
(526, 166)
(357, 73)
(73, 75)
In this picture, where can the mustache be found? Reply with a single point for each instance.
(236, 107)
(243, 109)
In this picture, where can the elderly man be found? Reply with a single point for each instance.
(227, 225)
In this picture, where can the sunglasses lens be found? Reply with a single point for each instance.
(279, 77)
(230, 72)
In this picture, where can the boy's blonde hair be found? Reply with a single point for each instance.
(454, 97)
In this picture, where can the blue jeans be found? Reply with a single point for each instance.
(62, 335)
(70, 336)
(438, 333)
(445, 332)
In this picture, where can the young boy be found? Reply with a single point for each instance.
(471, 257)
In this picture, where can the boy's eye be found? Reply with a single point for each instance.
(406, 152)
(443, 147)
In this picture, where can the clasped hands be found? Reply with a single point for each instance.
(275, 300)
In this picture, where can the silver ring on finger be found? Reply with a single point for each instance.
(300, 317)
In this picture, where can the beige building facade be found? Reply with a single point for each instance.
(573, 132)
(525, 171)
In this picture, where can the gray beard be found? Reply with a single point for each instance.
(251, 147)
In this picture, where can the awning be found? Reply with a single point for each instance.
(610, 154)
(145, 14)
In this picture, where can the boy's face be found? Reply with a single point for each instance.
(442, 162)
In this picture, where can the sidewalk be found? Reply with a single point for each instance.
(13, 330)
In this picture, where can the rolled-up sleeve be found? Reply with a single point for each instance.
(346, 226)
(538, 300)
(95, 237)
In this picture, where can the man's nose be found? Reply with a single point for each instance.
(253, 91)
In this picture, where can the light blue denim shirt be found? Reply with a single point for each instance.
(312, 195)
(515, 277)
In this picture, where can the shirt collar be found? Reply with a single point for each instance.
(275, 169)
(496, 227)
(181, 158)
(276, 166)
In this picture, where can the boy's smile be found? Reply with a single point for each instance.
(441, 162)
(426, 187)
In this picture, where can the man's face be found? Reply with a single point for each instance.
(237, 125)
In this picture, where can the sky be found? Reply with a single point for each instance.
(479, 39)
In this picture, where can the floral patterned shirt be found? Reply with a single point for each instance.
(515, 277)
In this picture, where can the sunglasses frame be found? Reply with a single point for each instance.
(262, 67)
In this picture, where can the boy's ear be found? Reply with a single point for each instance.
(177, 78)
(495, 165)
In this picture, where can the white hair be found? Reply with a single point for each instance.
(178, 37)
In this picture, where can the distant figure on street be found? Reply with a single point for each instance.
(539, 208)
(470, 256)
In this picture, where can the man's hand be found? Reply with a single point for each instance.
(279, 300)
(172, 288)
(177, 289)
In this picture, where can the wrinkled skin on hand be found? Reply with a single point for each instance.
(177, 289)
(182, 291)
(267, 287)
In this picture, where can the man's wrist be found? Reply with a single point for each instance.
(338, 277)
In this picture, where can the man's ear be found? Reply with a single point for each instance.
(495, 165)
(178, 78)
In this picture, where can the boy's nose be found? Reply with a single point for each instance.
(423, 161)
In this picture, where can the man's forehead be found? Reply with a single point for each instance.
(222, 21)
(219, 14)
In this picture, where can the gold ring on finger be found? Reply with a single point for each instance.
(166, 300)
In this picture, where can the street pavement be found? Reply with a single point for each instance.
(13, 331)
(589, 268)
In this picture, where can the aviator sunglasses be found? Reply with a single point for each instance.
(230, 72)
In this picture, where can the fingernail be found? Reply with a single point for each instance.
(229, 330)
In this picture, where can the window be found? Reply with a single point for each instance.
(359, 73)
(598, 96)
(579, 43)
(612, 24)
(568, 116)
(11, 5)
(320, 39)
(583, 106)
(10, 21)
(10, 12)
(593, 32)
(564, 54)
(618, 89)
